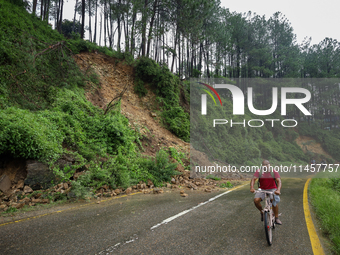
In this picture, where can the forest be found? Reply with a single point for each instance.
(196, 37)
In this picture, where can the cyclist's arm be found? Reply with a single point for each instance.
(279, 184)
(252, 182)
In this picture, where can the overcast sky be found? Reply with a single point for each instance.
(316, 19)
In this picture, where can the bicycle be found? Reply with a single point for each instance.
(268, 216)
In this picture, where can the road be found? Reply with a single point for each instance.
(230, 224)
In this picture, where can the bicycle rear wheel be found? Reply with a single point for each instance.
(268, 228)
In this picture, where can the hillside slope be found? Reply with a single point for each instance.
(113, 76)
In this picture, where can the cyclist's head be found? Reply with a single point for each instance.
(265, 164)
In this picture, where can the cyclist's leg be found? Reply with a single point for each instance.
(276, 209)
(257, 200)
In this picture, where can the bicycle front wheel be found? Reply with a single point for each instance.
(268, 227)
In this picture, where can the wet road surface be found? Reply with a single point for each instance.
(230, 224)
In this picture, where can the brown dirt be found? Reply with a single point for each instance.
(309, 144)
(113, 76)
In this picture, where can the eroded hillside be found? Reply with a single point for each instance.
(142, 112)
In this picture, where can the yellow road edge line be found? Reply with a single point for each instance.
(313, 236)
(74, 207)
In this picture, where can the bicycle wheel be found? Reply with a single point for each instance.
(268, 228)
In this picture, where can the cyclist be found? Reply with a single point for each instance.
(269, 180)
(312, 162)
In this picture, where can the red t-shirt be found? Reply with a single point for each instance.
(267, 181)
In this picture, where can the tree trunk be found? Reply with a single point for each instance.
(174, 54)
(151, 26)
(105, 21)
(61, 15)
(100, 30)
(119, 28)
(144, 18)
(90, 14)
(82, 18)
(74, 17)
(34, 6)
(42, 9)
(95, 24)
(132, 31)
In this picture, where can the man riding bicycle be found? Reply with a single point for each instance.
(269, 180)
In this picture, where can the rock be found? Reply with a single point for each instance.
(38, 195)
(36, 200)
(20, 184)
(150, 183)
(45, 201)
(184, 195)
(117, 191)
(173, 181)
(192, 186)
(13, 198)
(128, 190)
(180, 168)
(174, 186)
(39, 176)
(207, 189)
(65, 186)
(146, 191)
(5, 183)
(153, 114)
(168, 185)
(27, 189)
(158, 191)
(76, 175)
(3, 206)
(134, 186)
(20, 205)
(113, 193)
(26, 200)
(182, 191)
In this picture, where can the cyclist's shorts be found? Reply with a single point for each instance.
(275, 200)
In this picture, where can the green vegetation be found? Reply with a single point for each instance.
(210, 176)
(330, 139)
(325, 197)
(44, 113)
(226, 185)
(242, 145)
(166, 87)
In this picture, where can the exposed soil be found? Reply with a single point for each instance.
(143, 113)
(309, 144)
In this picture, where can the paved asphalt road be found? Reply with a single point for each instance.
(229, 224)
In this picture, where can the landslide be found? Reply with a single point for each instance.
(142, 112)
(312, 147)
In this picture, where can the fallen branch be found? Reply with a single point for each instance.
(112, 104)
(49, 48)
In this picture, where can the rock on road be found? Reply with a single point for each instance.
(230, 224)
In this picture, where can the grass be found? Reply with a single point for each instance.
(226, 185)
(325, 197)
(210, 176)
